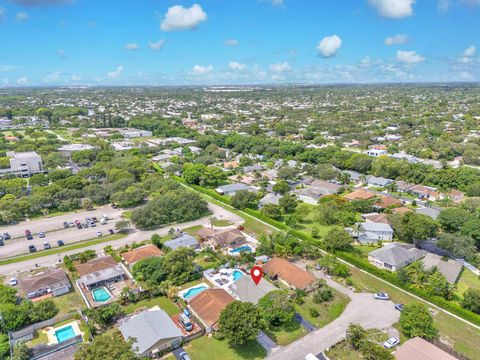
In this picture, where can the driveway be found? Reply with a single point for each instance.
(363, 309)
(265, 341)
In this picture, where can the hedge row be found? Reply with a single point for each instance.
(363, 264)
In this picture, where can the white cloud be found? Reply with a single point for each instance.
(182, 18)
(394, 9)
(131, 46)
(466, 76)
(236, 66)
(52, 77)
(76, 77)
(329, 45)
(156, 45)
(279, 68)
(443, 5)
(202, 70)
(22, 81)
(21, 16)
(231, 42)
(397, 39)
(468, 54)
(115, 73)
(409, 57)
(2, 14)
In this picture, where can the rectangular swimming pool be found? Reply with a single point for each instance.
(65, 333)
(100, 294)
(244, 248)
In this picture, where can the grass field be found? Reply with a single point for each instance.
(161, 301)
(221, 222)
(69, 302)
(467, 280)
(287, 333)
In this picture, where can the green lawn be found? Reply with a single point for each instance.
(306, 224)
(462, 337)
(467, 280)
(39, 337)
(287, 333)
(221, 222)
(365, 249)
(343, 351)
(69, 302)
(161, 301)
(328, 311)
(207, 348)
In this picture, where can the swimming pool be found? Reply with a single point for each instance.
(237, 275)
(65, 333)
(101, 294)
(244, 248)
(194, 291)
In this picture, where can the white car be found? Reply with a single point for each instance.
(99, 233)
(391, 343)
(13, 282)
(381, 296)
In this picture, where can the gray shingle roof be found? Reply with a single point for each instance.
(397, 254)
(246, 290)
(182, 241)
(450, 269)
(148, 328)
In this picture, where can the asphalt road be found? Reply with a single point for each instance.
(134, 235)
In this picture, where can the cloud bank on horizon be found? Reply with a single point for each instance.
(71, 42)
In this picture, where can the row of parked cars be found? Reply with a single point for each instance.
(89, 222)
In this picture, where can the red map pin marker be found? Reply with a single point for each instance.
(256, 273)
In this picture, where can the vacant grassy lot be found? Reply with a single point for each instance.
(69, 302)
(467, 280)
(287, 333)
(161, 301)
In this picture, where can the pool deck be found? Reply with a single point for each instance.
(52, 339)
(222, 278)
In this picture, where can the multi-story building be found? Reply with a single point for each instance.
(25, 164)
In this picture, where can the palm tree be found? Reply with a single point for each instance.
(212, 219)
(417, 275)
(344, 178)
(358, 228)
(362, 178)
(391, 187)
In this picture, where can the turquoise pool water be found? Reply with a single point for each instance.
(194, 291)
(237, 275)
(100, 294)
(245, 248)
(64, 334)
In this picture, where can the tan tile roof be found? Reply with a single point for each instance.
(97, 264)
(418, 348)
(360, 194)
(209, 304)
(135, 255)
(222, 238)
(289, 273)
(378, 218)
(401, 210)
(386, 201)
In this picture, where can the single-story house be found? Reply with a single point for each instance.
(252, 168)
(290, 274)
(403, 185)
(232, 189)
(54, 282)
(316, 190)
(385, 201)
(153, 332)
(429, 211)
(223, 238)
(378, 181)
(418, 348)
(270, 174)
(355, 176)
(450, 268)
(133, 256)
(270, 198)
(231, 165)
(243, 179)
(360, 194)
(376, 218)
(425, 192)
(244, 289)
(401, 210)
(394, 257)
(182, 241)
(372, 231)
(208, 305)
(456, 195)
(100, 271)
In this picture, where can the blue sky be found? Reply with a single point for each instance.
(163, 42)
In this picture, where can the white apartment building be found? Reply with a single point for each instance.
(25, 164)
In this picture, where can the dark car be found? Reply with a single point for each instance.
(1, 242)
(114, 206)
(32, 248)
(111, 231)
(60, 243)
(6, 236)
(399, 307)
(79, 226)
(66, 225)
(94, 219)
(29, 237)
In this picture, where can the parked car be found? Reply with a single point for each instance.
(28, 232)
(60, 243)
(103, 221)
(79, 226)
(184, 356)
(29, 237)
(13, 282)
(77, 222)
(111, 232)
(104, 216)
(71, 223)
(399, 307)
(381, 296)
(32, 248)
(46, 245)
(391, 343)
(6, 236)
(41, 235)
(114, 206)
(99, 233)
(94, 219)
(184, 320)
(65, 225)
(85, 225)
(1, 242)
(87, 219)
(92, 224)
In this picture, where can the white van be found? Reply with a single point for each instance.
(310, 356)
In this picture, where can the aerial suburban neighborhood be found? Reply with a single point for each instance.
(240, 210)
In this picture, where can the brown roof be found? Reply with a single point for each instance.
(387, 201)
(209, 304)
(401, 210)
(204, 233)
(222, 238)
(135, 255)
(46, 279)
(289, 273)
(360, 194)
(377, 218)
(418, 348)
(97, 264)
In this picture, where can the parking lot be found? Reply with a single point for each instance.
(54, 230)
